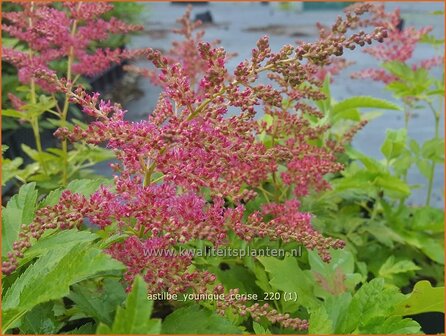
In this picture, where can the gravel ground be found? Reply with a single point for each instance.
(239, 25)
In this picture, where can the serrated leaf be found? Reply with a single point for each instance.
(320, 323)
(391, 267)
(433, 150)
(51, 276)
(66, 238)
(259, 330)
(197, 320)
(10, 168)
(286, 275)
(390, 325)
(86, 187)
(424, 298)
(373, 299)
(18, 211)
(394, 143)
(40, 320)
(135, 317)
(364, 102)
(392, 186)
(428, 219)
(98, 301)
(338, 274)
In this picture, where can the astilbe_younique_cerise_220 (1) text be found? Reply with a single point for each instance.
(186, 172)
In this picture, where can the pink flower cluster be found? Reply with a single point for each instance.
(184, 52)
(186, 173)
(399, 46)
(52, 34)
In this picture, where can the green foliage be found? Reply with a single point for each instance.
(18, 211)
(392, 267)
(369, 310)
(364, 102)
(197, 320)
(50, 277)
(287, 276)
(41, 320)
(394, 144)
(135, 317)
(424, 298)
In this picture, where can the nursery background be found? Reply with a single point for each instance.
(250, 126)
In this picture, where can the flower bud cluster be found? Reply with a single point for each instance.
(287, 224)
(399, 45)
(257, 311)
(191, 54)
(68, 213)
(52, 34)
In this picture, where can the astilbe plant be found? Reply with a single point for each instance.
(399, 46)
(51, 36)
(186, 173)
(185, 52)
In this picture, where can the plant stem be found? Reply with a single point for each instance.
(433, 164)
(35, 120)
(66, 105)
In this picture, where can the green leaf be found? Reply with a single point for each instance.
(424, 166)
(135, 317)
(394, 144)
(197, 320)
(35, 155)
(259, 330)
(86, 187)
(423, 299)
(384, 234)
(412, 83)
(41, 320)
(392, 186)
(66, 238)
(428, 219)
(432, 40)
(390, 325)
(286, 275)
(14, 114)
(85, 329)
(433, 150)
(18, 211)
(36, 109)
(347, 114)
(373, 299)
(397, 68)
(390, 267)
(10, 168)
(433, 248)
(320, 323)
(338, 274)
(414, 146)
(98, 299)
(336, 308)
(364, 102)
(51, 276)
